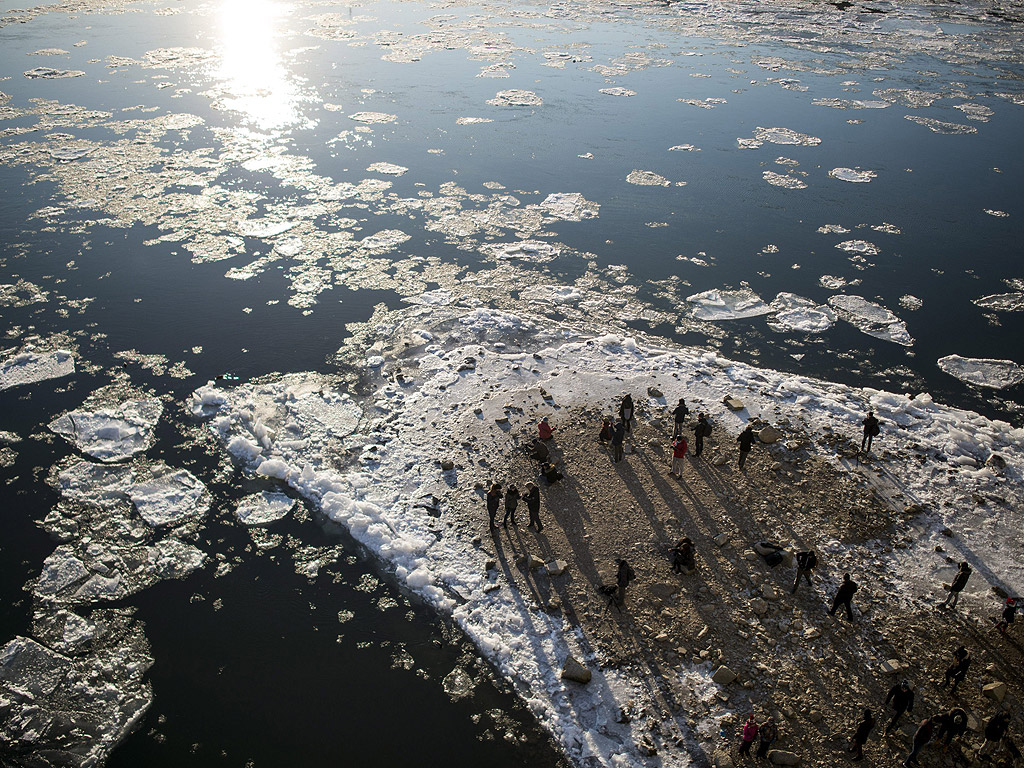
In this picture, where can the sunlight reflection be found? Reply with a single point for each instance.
(257, 82)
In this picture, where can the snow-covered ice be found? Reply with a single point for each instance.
(114, 433)
(263, 508)
(28, 367)
(721, 304)
(983, 372)
(170, 497)
(873, 319)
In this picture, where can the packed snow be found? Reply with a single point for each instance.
(114, 433)
(29, 367)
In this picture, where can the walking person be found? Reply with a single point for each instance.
(860, 736)
(902, 697)
(493, 500)
(843, 596)
(922, 736)
(511, 502)
(749, 734)
(957, 671)
(627, 411)
(623, 577)
(618, 438)
(532, 499)
(679, 448)
(701, 430)
(679, 417)
(805, 563)
(959, 582)
(768, 732)
(871, 430)
(746, 440)
(995, 732)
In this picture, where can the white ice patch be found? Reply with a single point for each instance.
(911, 302)
(785, 136)
(940, 126)
(684, 148)
(852, 175)
(978, 112)
(724, 304)
(569, 206)
(30, 367)
(534, 251)
(1002, 302)
(112, 434)
(170, 497)
(617, 91)
(49, 73)
(388, 169)
(983, 372)
(872, 319)
(473, 120)
(796, 313)
(783, 180)
(551, 294)
(647, 179)
(102, 485)
(373, 117)
(263, 228)
(516, 97)
(263, 508)
(861, 247)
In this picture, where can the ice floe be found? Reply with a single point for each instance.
(941, 126)
(862, 247)
(373, 117)
(569, 206)
(872, 319)
(721, 304)
(983, 372)
(29, 367)
(263, 508)
(785, 136)
(170, 497)
(535, 251)
(784, 180)
(388, 169)
(112, 433)
(49, 73)
(647, 179)
(516, 97)
(1002, 302)
(617, 91)
(852, 175)
(796, 313)
(473, 120)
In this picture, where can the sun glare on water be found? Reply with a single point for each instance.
(257, 82)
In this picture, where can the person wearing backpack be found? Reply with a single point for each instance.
(805, 563)
(871, 430)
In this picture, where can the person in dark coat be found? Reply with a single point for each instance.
(995, 732)
(623, 577)
(701, 430)
(532, 499)
(1009, 613)
(952, 725)
(550, 472)
(493, 500)
(922, 736)
(871, 430)
(539, 451)
(843, 596)
(511, 502)
(618, 438)
(682, 556)
(606, 430)
(959, 582)
(679, 417)
(746, 440)
(805, 563)
(902, 697)
(767, 733)
(957, 671)
(627, 411)
(860, 736)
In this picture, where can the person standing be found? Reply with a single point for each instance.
(951, 725)
(843, 596)
(532, 499)
(957, 671)
(749, 734)
(959, 582)
(679, 447)
(544, 430)
(511, 503)
(871, 430)
(995, 732)
(623, 577)
(1009, 614)
(618, 438)
(902, 697)
(922, 736)
(746, 440)
(768, 733)
(805, 563)
(700, 431)
(627, 411)
(493, 500)
(606, 430)
(679, 417)
(860, 736)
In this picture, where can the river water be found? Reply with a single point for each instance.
(221, 189)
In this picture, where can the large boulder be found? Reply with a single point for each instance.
(556, 567)
(890, 667)
(723, 675)
(781, 757)
(575, 671)
(769, 435)
(995, 691)
(759, 606)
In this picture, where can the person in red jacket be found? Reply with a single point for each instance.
(679, 448)
(749, 734)
(544, 431)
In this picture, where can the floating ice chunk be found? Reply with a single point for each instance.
(32, 669)
(907, 97)
(889, 229)
(684, 148)
(997, 214)
(908, 301)
(101, 485)
(852, 175)
(535, 251)
(709, 103)
(438, 298)
(100, 587)
(49, 73)
(749, 143)
(617, 91)
(385, 240)
(263, 228)
(869, 104)
(288, 246)
(60, 570)
(983, 372)
(940, 126)
(112, 434)
(170, 498)
(647, 179)
(388, 169)
(796, 313)
(978, 112)
(373, 117)
(171, 559)
(1002, 302)
(48, 52)
(473, 120)
(785, 136)
(570, 206)
(832, 229)
(717, 304)
(68, 154)
(552, 294)
(516, 97)
(263, 508)
(863, 247)
(30, 367)
(783, 180)
(76, 629)
(872, 319)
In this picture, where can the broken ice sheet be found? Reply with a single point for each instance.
(940, 126)
(534, 251)
(872, 319)
(49, 73)
(1002, 302)
(388, 169)
(617, 91)
(114, 433)
(569, 206)
(170, 497)
(373, 117)
(647, 179)
(103, 485)
(862, 247)
(785, 136)
(263, 508)
(983, 372)
(783, 180)
(726, 304)
(852, 175)
(796, 313)
(516, 97)
(29, 367)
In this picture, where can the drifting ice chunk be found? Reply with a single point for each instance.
(516, 97)
(535, 251)
(111, 434)
(941, 126)
(852, 175)
(49, 73)
(862, 247)
(570, 206)
(983, 372)
(263, 508)
(783, 180)
(30, 367)
(785, 136)
(264, 228)
(727, 305)
(796, 313)
(60, 570)
(1002, 302)
(618, 90)
(32, 669)
(388, 169)
(170, 498)
(871, 318)
(647, 179)
(373, 117)
(97, 484)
